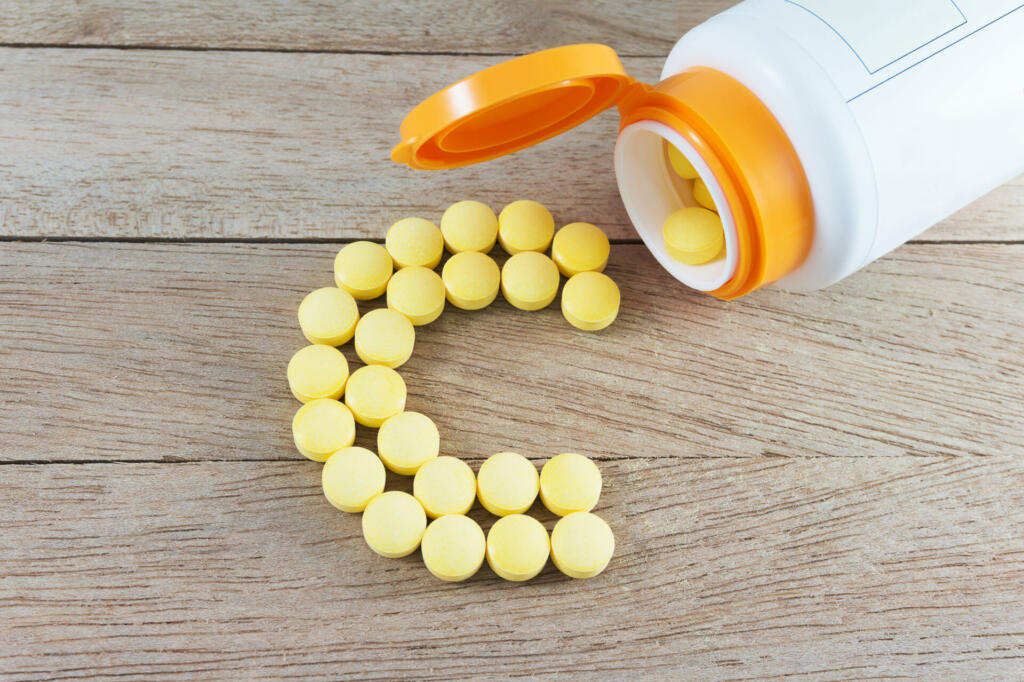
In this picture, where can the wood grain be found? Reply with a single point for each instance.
(633, 27)
(177, 352)
(165, 144)
(725, 569)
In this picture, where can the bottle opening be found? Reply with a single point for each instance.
(652, 191)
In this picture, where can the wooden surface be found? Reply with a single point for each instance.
(812, 486)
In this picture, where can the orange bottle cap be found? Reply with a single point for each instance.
(511, 106)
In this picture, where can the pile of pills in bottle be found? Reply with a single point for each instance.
(693, 235)
(335, 400)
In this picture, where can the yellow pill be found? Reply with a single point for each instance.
(525, 226)
(317, 371)
(580, 247)
(517, 547)
(407, 441)
(393, 524)
(469, 226)
(529, 280)
(582, 544)
(590, 301)
(702, 195)
(693, 235)
(351, 478)
(384, 337)
(414, 242)
(322, 427)
(374, 393)
(680, 164)
(471, 280)
(453, 548)
(507, 483)
(363, 270)
(329, 316)
(570, 483)
(417, 293)
(445, 485)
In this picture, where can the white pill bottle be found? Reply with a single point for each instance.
(828, 132)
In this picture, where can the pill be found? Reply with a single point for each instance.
(680, 164)
(580, 247)
(525, 226)
(414, 242)
(507, 483)
(518, 546)
(321, 427)
(317, 371)
(570, 483)
(582, 544)
(417, 293)
(329, 316)
(529, 280)
(453, 547)
(406, 441)
(445, 485)
(363, 270)
(352, 477)
(702, 195)
(693, 235)
(384, 337)
(590, 300)
(374, 393)
(393, 524)
(469, 226)
(471, 280)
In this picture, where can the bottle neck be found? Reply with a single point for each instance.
(752, 166)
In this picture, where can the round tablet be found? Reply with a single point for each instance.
(507, 483)
(693, 235)
(417, 293)
(317, 371)
(393, 524)
(406, 441)
(374, 393)
(328, 316)
(469, 226)
(702, 195)
(363, 270)
(414, 242)
(680, 164)
(351, 478)
(529, 280)
(525, 226)
(453, 547)
(590, 301)
(384, 337)
(582, 544)
(570, 483)
(445, 485)
(580, 247)
(517, 547)
(471, 280)
(321, 427)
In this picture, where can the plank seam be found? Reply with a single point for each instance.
(378, 240)
(127, 47)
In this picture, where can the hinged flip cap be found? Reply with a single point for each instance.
(511, 106)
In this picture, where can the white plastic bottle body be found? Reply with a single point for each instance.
(901, 113)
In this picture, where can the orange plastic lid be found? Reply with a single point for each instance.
(511, 106)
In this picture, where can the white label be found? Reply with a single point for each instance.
(882, 31)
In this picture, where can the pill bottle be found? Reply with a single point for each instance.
(828, 133)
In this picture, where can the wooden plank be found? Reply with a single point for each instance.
(139, 144)
(177, 351)
(725, 569)
(632, 27)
